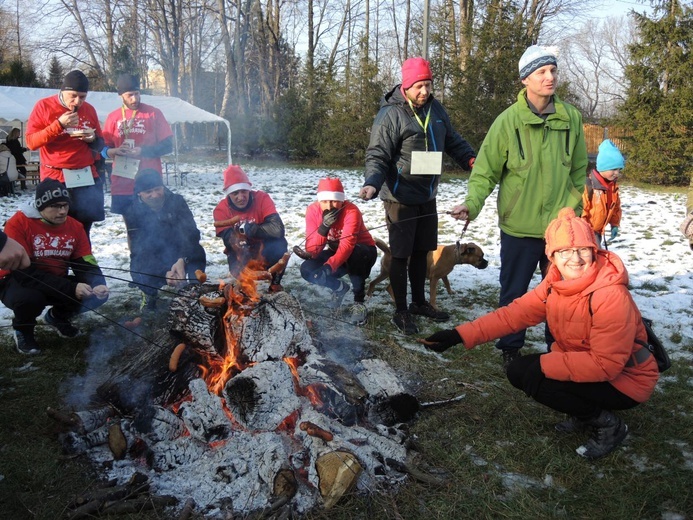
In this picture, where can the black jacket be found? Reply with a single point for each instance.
(395, 134)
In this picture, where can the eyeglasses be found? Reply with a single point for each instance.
(583, 252)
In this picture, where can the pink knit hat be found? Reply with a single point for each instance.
(568, 231)
(235, 179)
(413, 70)
(330, 188)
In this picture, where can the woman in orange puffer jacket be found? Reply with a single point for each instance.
(598, 362)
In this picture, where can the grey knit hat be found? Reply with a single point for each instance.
(535, 57)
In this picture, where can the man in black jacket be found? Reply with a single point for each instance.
(163, 237)
(403, 163)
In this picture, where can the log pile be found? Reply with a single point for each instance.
(247, 417)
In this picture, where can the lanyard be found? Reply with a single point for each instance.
(424, 124)
(127, 123)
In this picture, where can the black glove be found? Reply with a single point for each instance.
(329, 217)
(442, 340)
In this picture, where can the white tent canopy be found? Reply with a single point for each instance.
(16, 104)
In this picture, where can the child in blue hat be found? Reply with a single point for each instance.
(600, 200)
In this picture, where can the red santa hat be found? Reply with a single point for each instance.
(330, 188)
(235, 179)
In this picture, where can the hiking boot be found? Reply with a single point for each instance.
(510, 355)
(338, 295)
(571, 425)
(426, 309)
(62, 325)
(404, 321)
(608, 432)
(26, 343)
(357, 314)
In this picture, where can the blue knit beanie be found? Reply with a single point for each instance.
(609, 157)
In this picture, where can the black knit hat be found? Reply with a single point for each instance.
(75, 80)
(50, 192)
(147, 179)
(127, 83)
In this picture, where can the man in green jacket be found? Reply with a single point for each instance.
(535, 151)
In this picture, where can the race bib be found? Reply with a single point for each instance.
(79, 177)
(426, 163)
(126, 167)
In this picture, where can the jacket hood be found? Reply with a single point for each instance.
(395, 97)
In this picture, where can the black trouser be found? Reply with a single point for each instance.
(358, 267)
(582, 400)
(28, 301)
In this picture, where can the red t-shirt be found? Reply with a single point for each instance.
(147, 126)
(261, 207)
(56, 148)
(49, 247)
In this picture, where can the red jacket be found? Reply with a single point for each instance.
(589, 346)
(147, 127)
(57, 149)
(348, 231)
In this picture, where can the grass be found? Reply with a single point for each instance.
(495, 450)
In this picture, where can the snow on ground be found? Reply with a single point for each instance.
(658, 258)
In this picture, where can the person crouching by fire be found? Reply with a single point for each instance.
(247, 222)
(339, 244)
(55, 243)
(163, 237)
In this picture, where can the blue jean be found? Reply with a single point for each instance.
(519, 259)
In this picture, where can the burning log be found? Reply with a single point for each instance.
(83, 421)
(338, 472)
(390, 403)
(262, 396)
(203, 415)
(75, 444)
(197, 326)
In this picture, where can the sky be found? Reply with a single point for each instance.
(655, 253)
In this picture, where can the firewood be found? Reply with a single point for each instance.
(338, 472)
(187, 510)
(88, 510)
(285, 484)
(417, 474)
(315, 431)
(116, 441)
(70, 420)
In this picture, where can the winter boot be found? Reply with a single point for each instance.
(571, 425)
(608, 431)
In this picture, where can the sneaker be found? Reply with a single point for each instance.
(357, 314)
(148, 302)
(26, 343)
(510, 355)
(608, 432)
(62, 325)
(426, 309)
(404, 321)
(338, 295)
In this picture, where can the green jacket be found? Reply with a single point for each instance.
(540, 167)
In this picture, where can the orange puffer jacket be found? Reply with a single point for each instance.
(594, 322)
(595, 209)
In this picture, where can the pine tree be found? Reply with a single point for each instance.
(659, 100)
(55, 73)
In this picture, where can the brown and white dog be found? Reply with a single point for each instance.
(440, 264)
